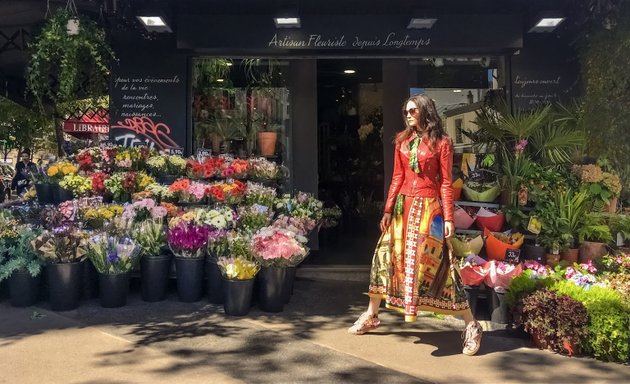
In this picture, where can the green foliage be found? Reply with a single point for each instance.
(150, 235)
(608, 336)
(522, 285)
(593, 228)
(605, 54)
(64, 68)
(21, 127)
(21, 255)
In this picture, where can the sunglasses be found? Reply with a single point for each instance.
(410, 111)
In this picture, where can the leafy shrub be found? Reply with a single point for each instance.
(20, 255)
(608, 330)
(558, 320)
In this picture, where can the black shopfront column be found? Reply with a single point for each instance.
(395, 91)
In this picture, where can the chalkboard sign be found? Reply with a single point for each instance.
(148, 96)
(512, 256)
(545, 71)
(175, 151)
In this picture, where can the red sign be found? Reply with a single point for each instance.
(77, 126)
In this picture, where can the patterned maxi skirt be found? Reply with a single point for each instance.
(408, 258)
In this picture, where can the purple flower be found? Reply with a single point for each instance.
(188, 237)
(112, 257)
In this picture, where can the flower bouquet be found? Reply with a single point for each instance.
(303, 206)
(59, 170)
(188, 240)
(95, 218)
(157, 165)
(64, 244)
(218, 218)
(254, 217)
(230, 193)
(263, 170)
(88, 159)
(236, 268)
(160, 192)
(491, 219)
(235, 169)
(77, 184)
(144, 209)
(112, 255)
(150, 236)
(498, 243)
(257, 193)
(278, 247)
(98, 183)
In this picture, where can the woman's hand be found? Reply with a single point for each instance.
(385, 221)
(449, 229)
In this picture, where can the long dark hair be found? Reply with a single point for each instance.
(428, 119)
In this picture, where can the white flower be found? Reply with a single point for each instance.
(218, 222)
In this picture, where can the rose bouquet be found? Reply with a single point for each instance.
(64, 244)
(188, 239)
(88, 159)
(98, 183)
(150, 236)
(278, 247)
(230, 193)
(236, 169)
(143, 210)
(111, 254)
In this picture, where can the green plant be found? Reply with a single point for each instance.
(21, 256)
(593, 228)
(64, 68)
(516, 170)
(609, 327)
(559, 321)
(618, 224)
(523, 285)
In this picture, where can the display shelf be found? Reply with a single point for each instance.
(480, 232)
(463, 203)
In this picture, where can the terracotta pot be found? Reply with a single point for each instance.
(267, 143)
(569, 255)
(591, 250)
(552, 259)
(611, 206)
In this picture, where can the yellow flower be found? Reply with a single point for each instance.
(117, 210)
(68, 169)
(91, 213)
(53, 170)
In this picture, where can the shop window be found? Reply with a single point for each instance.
(240, 107)
(459, 137)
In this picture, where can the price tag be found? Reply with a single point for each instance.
(202, 153)
(176, 151)
(512, 256)
(107, 143)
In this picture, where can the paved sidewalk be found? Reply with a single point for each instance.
(194, 343)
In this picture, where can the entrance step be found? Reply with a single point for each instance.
(335, 272)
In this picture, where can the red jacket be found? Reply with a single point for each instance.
(434, 180)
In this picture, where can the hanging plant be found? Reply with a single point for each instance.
(69, 60)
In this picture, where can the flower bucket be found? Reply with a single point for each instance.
(215, 285)
(288, 284)
(495, 248)
(267, 143)
(23, 289)
(238, 296)
(533, 252)
(44, 194)
(465, 248)
(490, 220)
(65, 285)
(499, 312)
(90, 281)
(487, 196)
(271, 284)
(462, 219)
(154, 276)
(189, 278)
(113, 289)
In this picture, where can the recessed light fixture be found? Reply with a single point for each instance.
(547, 22)
(287, 22)
(349, 71)
(421, 23)
(154, 23)
(457, 90)
(220, 80)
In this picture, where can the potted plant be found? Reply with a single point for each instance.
(20, 264)
(189, 241)
(238, 270)
(276, 248)
(555, 321)
(155, 264)
(64, 251)
(593, 235)
(58, 60)
(113, 257)
(57, 172)
(602, 187)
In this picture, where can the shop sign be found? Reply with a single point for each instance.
(75, 126)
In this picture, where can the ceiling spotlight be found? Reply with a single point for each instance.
(421, 23)
(547, 22)
(220, 80)
(154, 23)
(287, 22)
(438, 61)
(349, 71)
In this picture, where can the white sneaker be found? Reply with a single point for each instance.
(472, 338)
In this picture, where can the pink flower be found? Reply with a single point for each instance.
(519, 148)
(158, 212)
(197, 189)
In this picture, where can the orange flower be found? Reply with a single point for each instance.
(239, 165)
(171, 209)
(179, 186)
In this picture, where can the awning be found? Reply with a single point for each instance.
(89, 123)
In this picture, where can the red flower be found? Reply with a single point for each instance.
(216, 193)
(129, 182)
(98, 183)
(85, 161)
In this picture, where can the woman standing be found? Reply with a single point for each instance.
(408, 269)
